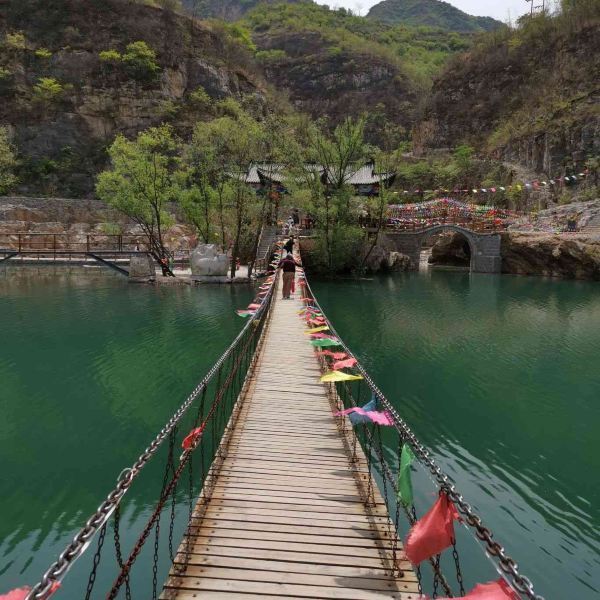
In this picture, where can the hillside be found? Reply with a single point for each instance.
(74, 73)
(228, 10)
(431, 13)
(333, 64)
(528, 95)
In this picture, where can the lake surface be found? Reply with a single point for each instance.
(91, 368)
(500, 377)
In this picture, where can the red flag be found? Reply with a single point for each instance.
(191, 439)
(494, 590)
(433, 532)
(342, 364)
(19, 594)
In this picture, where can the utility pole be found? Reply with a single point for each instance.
(536, 7)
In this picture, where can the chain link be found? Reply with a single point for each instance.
(507, 564)
(96, 562)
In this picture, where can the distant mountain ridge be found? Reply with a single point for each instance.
(432, 13)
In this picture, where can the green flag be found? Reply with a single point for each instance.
(405, 490)
(325, 342)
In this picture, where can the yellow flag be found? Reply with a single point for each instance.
(317, 329)
(339, 376)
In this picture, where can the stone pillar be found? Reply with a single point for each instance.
(208, 265)
(141, 269)
(408, 244)
(486, 257)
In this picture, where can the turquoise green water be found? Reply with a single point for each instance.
(500, 377)
(91, 368)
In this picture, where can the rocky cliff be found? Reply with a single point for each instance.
(64, 100)
(566, 256)
(335, 84)
(527, 95)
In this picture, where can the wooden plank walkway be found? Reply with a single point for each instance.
(286, 515)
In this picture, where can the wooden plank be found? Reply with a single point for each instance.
(295, 567)
(337, 560)
(286, 516)
(278, 576)
(187, 590)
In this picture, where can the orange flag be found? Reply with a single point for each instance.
(433, 532)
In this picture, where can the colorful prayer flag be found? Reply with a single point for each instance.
(325, 343)
(338, 375)
(317, 329)
(357, 418)
(343, 364)
(381, 418)
(405, 489)
(433, 532)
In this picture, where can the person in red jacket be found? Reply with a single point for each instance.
(288, 266)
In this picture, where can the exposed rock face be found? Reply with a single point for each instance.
(73, 220)
(335, 85)
(525, 99)
(62, 142)
(568, 257)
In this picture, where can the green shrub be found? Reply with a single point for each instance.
(140, 60)
(16, 40)
(270, 56)
(4, 73)
(110, 56)
(43, 53)
(200, 98)
(48, 90)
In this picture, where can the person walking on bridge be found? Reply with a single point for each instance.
(289, 245)
(288, 266)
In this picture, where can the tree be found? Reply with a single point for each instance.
(220, 154)
(239, 141)
(140, 183)
(337, 155)
(8, 162)
(387, 160)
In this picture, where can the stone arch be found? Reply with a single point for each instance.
(465, 233)
(485, 247)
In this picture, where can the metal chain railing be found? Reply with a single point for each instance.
(245, 341)
(506, 563)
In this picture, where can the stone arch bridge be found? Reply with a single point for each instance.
(485, 247)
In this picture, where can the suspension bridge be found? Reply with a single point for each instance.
(284, 475)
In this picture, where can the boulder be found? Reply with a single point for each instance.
(141, 269)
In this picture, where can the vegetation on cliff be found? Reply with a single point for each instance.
(432, 13)
(526, 93)
(74, 74)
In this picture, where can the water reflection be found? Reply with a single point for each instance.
(91, 368)
(500, 376)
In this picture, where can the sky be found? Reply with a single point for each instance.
(499, 9)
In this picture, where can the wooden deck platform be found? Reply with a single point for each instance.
(286, 515)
